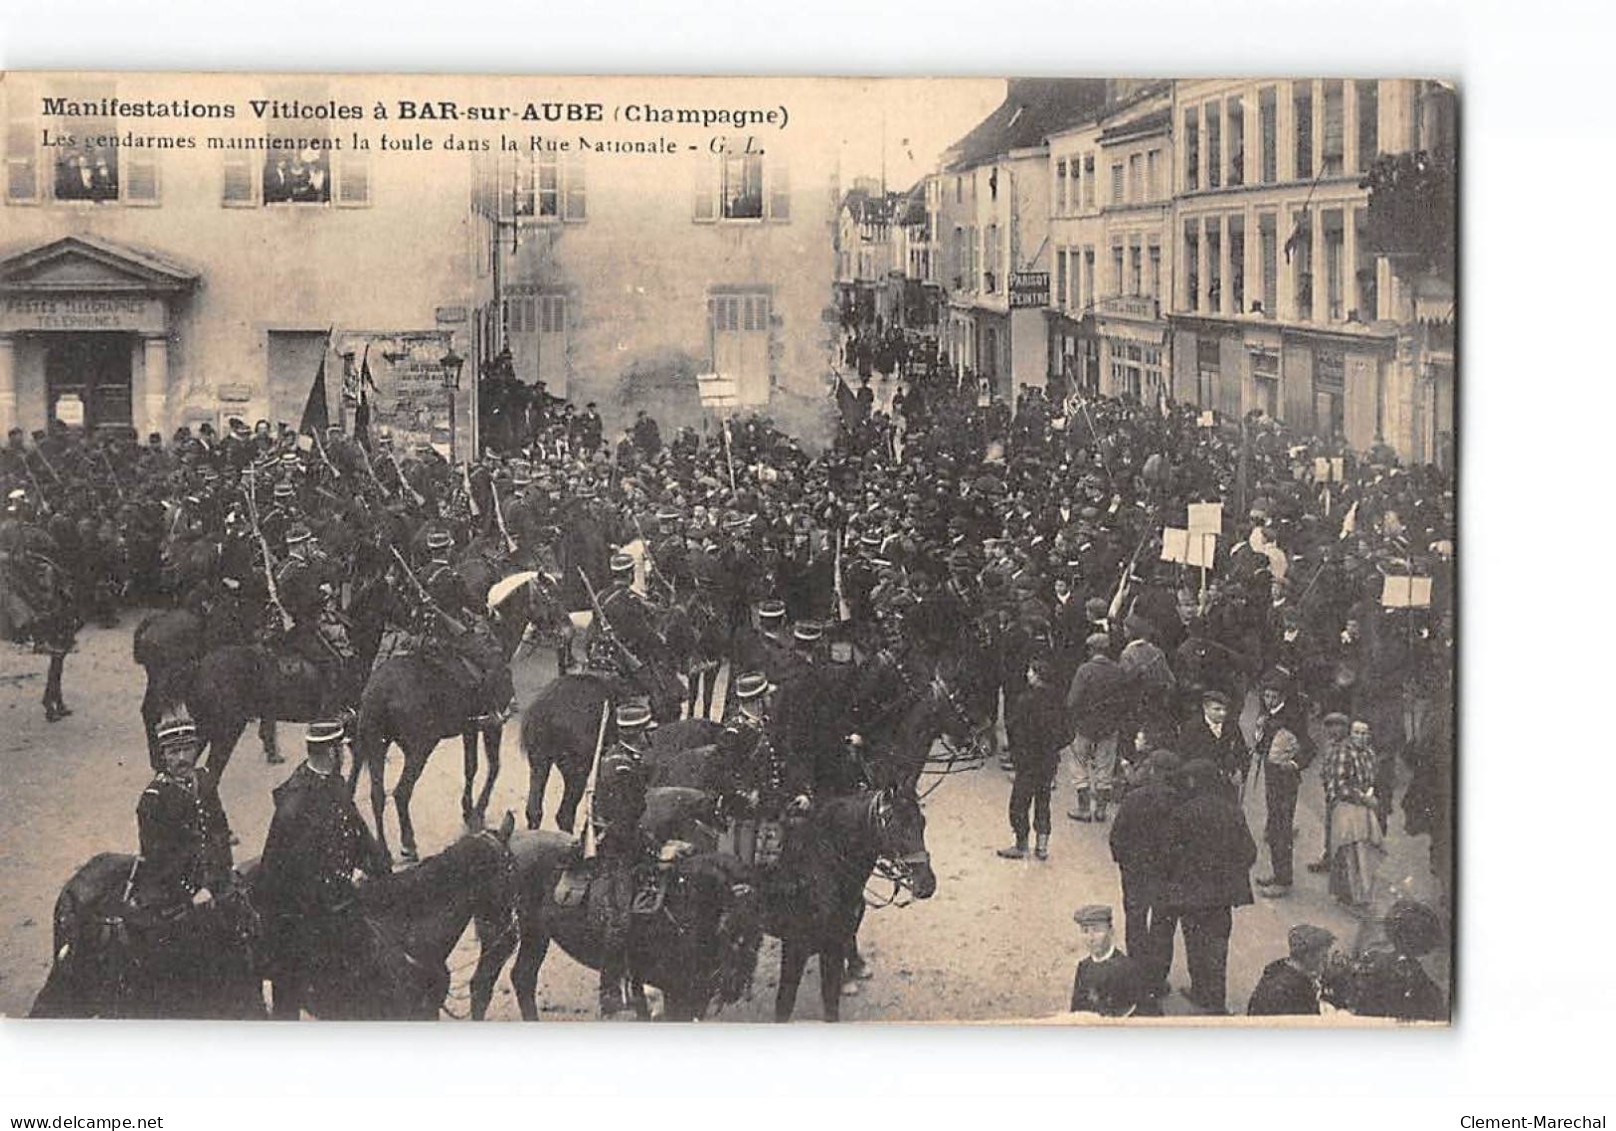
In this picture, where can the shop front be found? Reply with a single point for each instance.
(1133, 346)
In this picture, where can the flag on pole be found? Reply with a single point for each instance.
(316, 413)
(362, 413)
(847, 403)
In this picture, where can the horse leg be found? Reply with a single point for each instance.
(793, 958)
(497, 949)
(286, 1003)
(572, 793)
(525, 974)
(538, 776)
(857, 969)
(636, 997)
(414, 764)
(493, 733)
(468, 744)
(832, 965)
(376, 764)
(268, 737)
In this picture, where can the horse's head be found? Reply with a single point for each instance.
(900, 827)
(489, 860)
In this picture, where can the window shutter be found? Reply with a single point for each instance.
(779, 192)
(353, 181)
(240, 185)
(140, 179)
(706, 191)
(575, 208)
(22, 151)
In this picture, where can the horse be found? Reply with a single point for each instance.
(563, 725)
(700, 948)
(696, 635)
(239, 682)
(408, 700)
(106, 962)
(169, 646)
(815, 903)
(414, 920)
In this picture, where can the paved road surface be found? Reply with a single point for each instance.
(996, 942)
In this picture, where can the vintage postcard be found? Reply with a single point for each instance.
(954, 550)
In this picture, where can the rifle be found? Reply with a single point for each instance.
(114, 472)
(420, 499)
(44, 503)
(651, 561)
(634, 662)
(263, 546)
(499, 517)
(589, 785)
(471, 499)
(319, 445)
(1122, 582)
(426, 598)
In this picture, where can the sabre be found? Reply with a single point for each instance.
(649, 560)
(634, 662)
(420, 499)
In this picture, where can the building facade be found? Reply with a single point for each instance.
(1279, 304)
(1111, 179)
(147, 285)
(624, 286)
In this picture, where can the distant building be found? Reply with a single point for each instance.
(621, 287)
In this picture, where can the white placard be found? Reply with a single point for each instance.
(1203, 548)
(1175, 544)
(1206, 518)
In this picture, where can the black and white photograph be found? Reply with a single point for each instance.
(959, 550)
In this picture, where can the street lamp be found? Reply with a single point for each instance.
(452, 364)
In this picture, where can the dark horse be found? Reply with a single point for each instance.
(562, 725)
(409, 700)
(107, 962)
(103, 966)
(415, 919)
(236, 683)
(816, 902)
(700, 948)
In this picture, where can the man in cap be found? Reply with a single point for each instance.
(1037, 727)
(305, 888)
(1139, 847)
(1097, 701)
(628, 638)
(463, 631)
(1213, 735)
(308, 595)
(615, 810)
(768, 648)
(1289, 986)
(1283, 750)
(184, 839)
(1107, 980)
(750, 771)
(1209, 854)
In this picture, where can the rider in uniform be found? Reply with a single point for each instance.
(750, 770)
(184, 840)
(614, 814)
(767, 648)
(463, 631)
(630, 621)
(318, 635)
(305, 886)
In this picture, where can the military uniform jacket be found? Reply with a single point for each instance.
(316, 839)
(619, 803)
(298, 585)
(182, 846)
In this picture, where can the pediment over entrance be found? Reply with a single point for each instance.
(91, 265)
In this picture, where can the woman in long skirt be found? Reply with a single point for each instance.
(1355, 836)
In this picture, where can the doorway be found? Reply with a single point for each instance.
(87, 380)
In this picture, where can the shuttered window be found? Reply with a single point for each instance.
(22, 147)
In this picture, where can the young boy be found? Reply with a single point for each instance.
(1107, 980)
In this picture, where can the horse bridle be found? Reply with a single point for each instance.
(899, 871)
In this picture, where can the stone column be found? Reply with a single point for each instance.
(154, 394)
(1225, 262)
(8, 382)
(1284, 132)
(1349, 126)
(1349, 263)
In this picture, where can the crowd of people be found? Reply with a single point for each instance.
(1014, 552)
